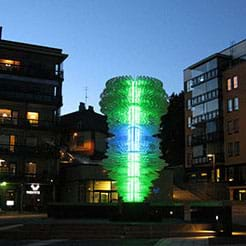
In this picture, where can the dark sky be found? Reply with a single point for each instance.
(107, 38)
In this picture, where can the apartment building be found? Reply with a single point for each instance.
(31, 79)
(215, 117)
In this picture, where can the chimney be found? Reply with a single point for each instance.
(81, 107)
(90, 108)
(1, 29)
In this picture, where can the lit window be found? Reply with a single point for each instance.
(218, 175)
(12, 143)
(235, 82)
(9, 65)
(7, 142)
(229, 105)
(236, 103)
(229, 85)
(5, 115)
(33, 117)
(31, 169)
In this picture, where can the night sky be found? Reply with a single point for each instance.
(107, 38)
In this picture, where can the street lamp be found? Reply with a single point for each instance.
(211, 159)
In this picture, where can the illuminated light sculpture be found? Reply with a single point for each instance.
(133, 107)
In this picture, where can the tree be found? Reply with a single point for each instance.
(172, 131)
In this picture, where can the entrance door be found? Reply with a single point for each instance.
(104, 197)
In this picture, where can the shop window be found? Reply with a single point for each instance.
(236, 103)
(235, 82)
(229, 87)
(237, 148)
(101, 191)
(102, 185)
(33, 118)
(31, 169)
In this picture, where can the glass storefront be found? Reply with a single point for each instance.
(101, 191)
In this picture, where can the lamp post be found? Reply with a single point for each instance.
(211, 159)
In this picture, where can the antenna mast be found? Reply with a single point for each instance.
(86, 96)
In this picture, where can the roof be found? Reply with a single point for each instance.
(32, 48)
(85, 120)
(206, 60)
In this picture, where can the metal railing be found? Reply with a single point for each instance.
(31, 71)
(25, 123)
(33, 97)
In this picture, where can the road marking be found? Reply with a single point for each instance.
(46, 242)
(4, 228)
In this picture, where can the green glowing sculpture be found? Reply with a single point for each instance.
(133, 107)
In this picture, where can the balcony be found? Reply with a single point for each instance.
(45, 150)
(12, 122)
(30, 97)
(34, 71)
(205, 160)
(207, 138)
(205, 117)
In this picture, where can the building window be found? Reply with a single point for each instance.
(7, 168)
(31, 169)
(101, 191)
(229, 105)
(189, 85)
(235, 82)
(237, 148)
(189, 138)
(229, 87)
(229, 149)
(188, 103)
(229, 127)
(9, 65)
(236, 103)
(31, 141)
(236, 125)
(7, 142)
(189, 122)
(33, 117)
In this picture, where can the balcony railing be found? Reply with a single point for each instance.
(30, 71)
(205, 138)
(205, 160)
(25, 149)
(32, 97)
(24, 123)
(205, 117)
